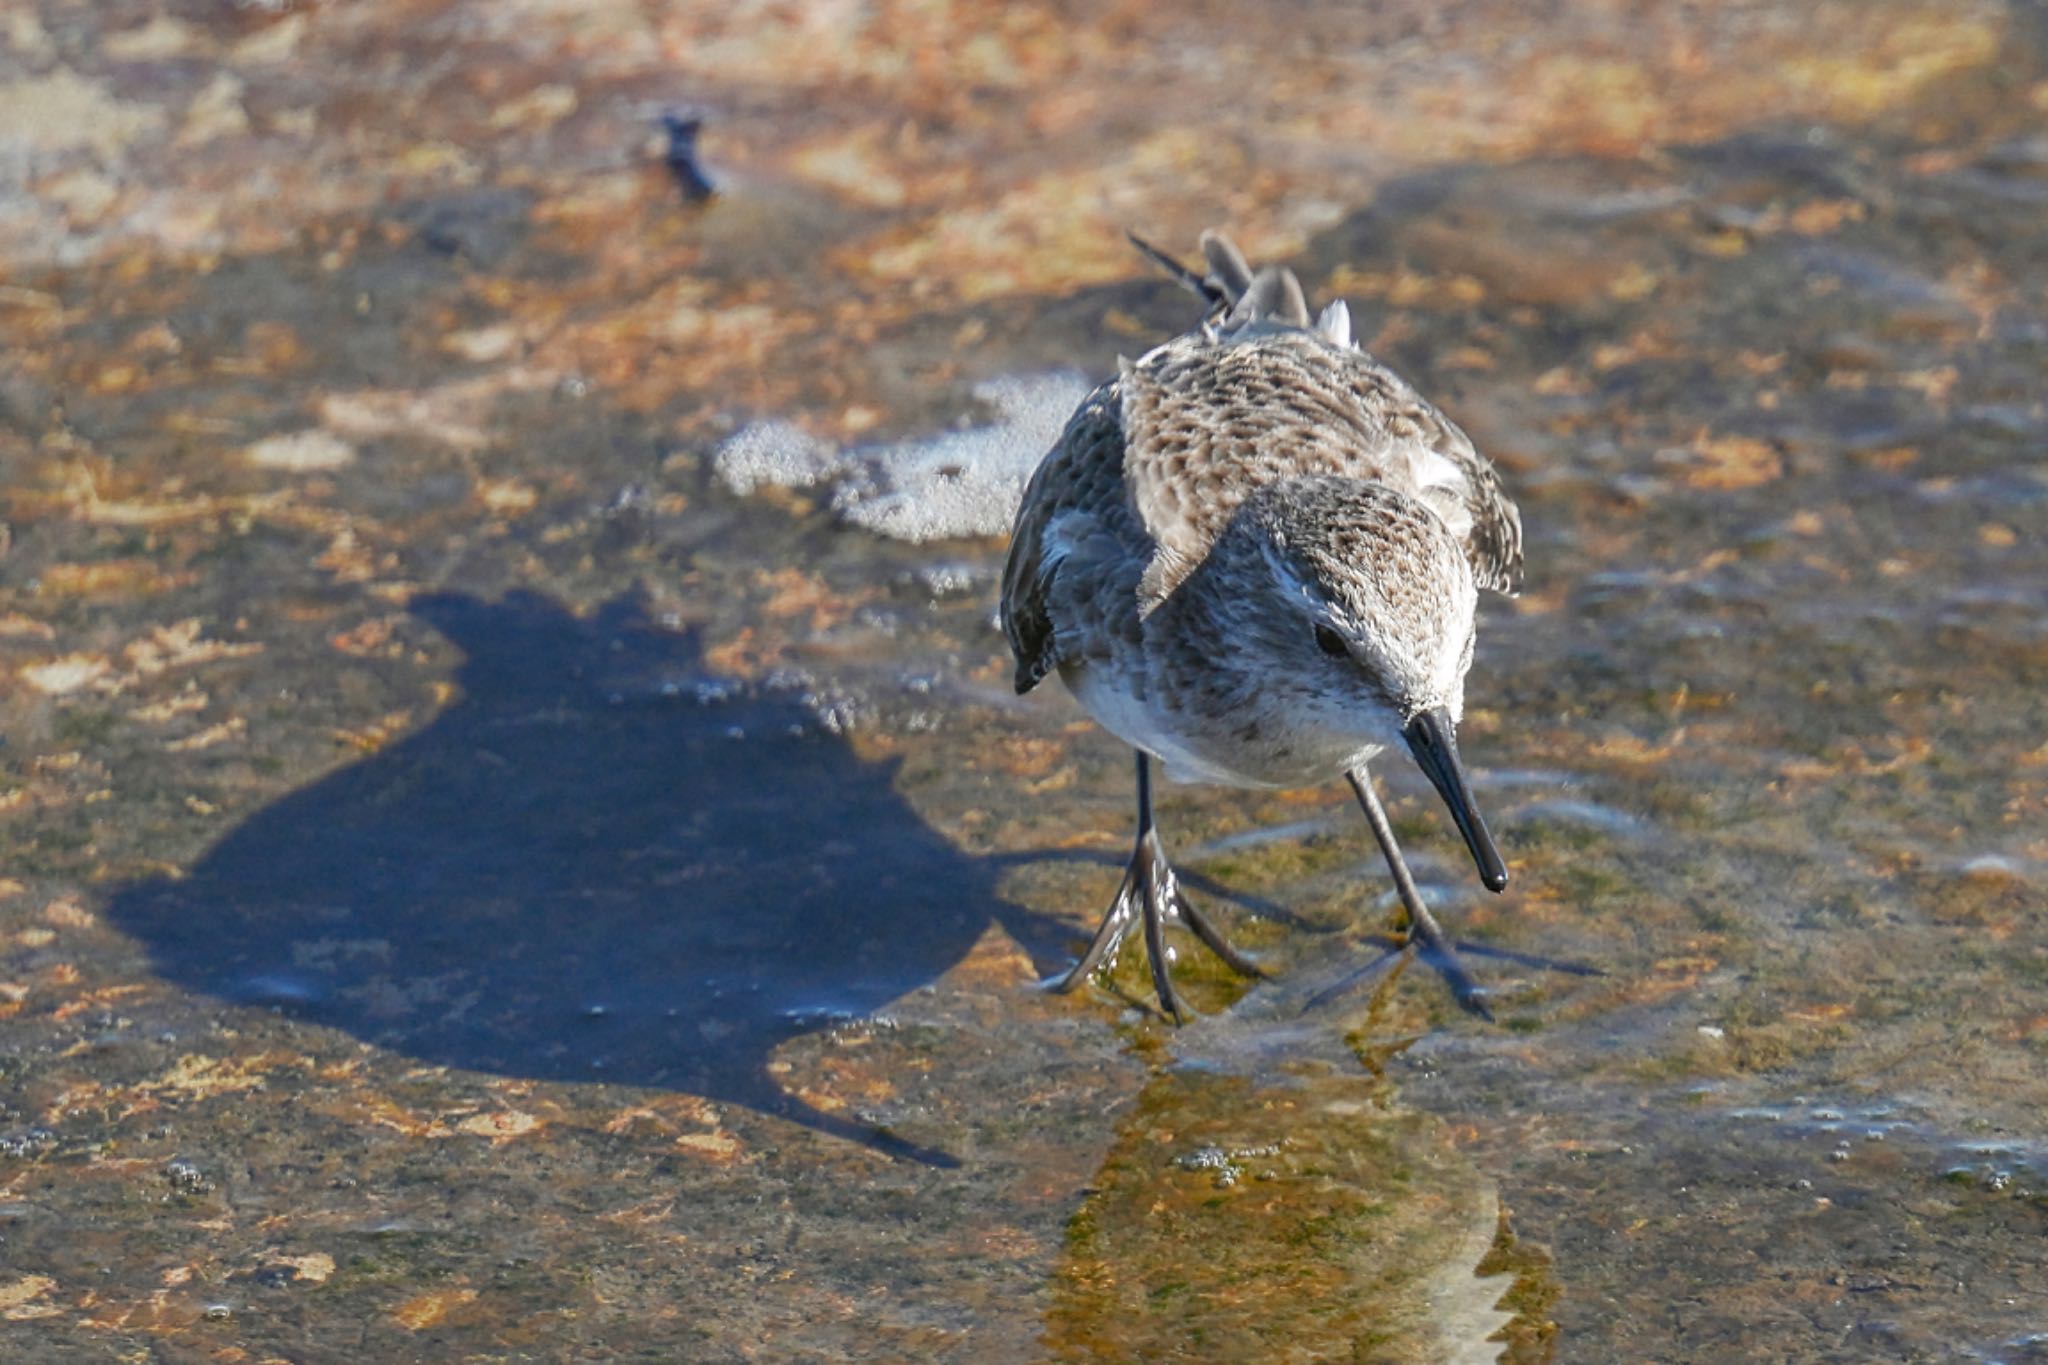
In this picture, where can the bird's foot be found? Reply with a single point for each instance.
(1150, 895)
(1441, 955)
(1432, 950)
(1436, 953)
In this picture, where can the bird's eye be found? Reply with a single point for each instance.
(1330, 642)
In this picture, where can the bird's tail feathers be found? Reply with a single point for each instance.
(1239, 296)
(1227, 265)
(1207, 288)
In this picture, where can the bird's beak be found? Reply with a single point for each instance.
(1433, 738)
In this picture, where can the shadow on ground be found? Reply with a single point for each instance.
(601, 863)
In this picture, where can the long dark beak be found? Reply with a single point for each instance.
(1434, 740)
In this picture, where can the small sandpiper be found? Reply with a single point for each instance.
(1254, 555)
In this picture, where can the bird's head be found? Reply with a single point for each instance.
(1369, 600)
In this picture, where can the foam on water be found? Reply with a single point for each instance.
(778, 454)
(964, 483)
(957, 484)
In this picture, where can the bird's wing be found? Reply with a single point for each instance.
(1493, 543)
(1074, 501)
(1399, 437)
(1430, 458)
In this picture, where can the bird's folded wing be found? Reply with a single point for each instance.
(1075, 497)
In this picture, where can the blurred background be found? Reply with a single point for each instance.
(517, 839)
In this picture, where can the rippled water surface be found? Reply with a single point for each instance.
(519, 844)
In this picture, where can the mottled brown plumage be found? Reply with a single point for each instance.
(1254, 555)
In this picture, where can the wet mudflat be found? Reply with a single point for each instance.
(518, 844)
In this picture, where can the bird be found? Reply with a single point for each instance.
(1255, 556)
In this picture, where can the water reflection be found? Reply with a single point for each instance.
(601, 863)
(1268, 1196)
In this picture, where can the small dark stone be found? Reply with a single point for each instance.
(681, 156)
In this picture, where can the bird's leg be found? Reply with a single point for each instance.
(1150, 888)
(1422, 926)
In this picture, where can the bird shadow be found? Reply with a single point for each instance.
(603, 863)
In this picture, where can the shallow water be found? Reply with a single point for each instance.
(496, 869)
